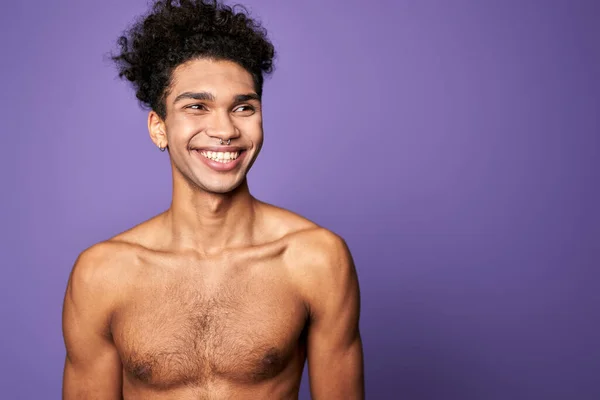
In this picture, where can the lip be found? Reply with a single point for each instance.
(219, 166)
(220, 148)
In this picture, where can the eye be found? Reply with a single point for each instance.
(245, 108)
(196, 107)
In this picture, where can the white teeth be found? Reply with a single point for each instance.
(220, 156)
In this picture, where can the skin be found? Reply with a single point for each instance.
(222, 295)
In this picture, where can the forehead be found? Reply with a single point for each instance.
(222, 78)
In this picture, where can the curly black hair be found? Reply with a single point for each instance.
(176, 31)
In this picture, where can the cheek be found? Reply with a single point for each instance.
(256, 136)
(183, 128)
(253, 129)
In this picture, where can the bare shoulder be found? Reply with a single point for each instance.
(98, 270)
(323, 271)
(92, 294)
(311, 250)
(281, 223)
(320, 251)
(105, 268)
(101, 272)
(102, 262)
(306, 241)
(101, 259)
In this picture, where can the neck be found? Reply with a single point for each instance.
(210, 222)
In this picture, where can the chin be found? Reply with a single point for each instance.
(221, 187)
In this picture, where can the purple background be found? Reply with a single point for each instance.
(453, 144)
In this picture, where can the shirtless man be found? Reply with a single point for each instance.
(222, 296)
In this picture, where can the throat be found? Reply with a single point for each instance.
(211, 223)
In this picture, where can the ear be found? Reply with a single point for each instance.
(157, 130)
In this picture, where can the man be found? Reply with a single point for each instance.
(222, 296)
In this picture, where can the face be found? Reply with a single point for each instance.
(210, 101)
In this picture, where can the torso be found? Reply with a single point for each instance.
(230, 325)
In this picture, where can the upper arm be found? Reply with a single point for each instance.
(92, 367)
(335, 356)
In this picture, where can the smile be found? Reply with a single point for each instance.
(222, 160)
(221, 156)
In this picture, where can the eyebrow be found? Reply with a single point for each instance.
(240, 98)
(206, 96)
(195, 96)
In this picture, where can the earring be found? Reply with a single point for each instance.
(162, 148)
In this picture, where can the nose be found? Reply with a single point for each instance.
(222, 127)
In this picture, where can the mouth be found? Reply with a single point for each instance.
(221, 156)
(221, 159)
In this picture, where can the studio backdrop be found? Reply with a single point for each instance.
(453, 144)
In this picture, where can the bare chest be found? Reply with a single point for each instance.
(185, 330)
